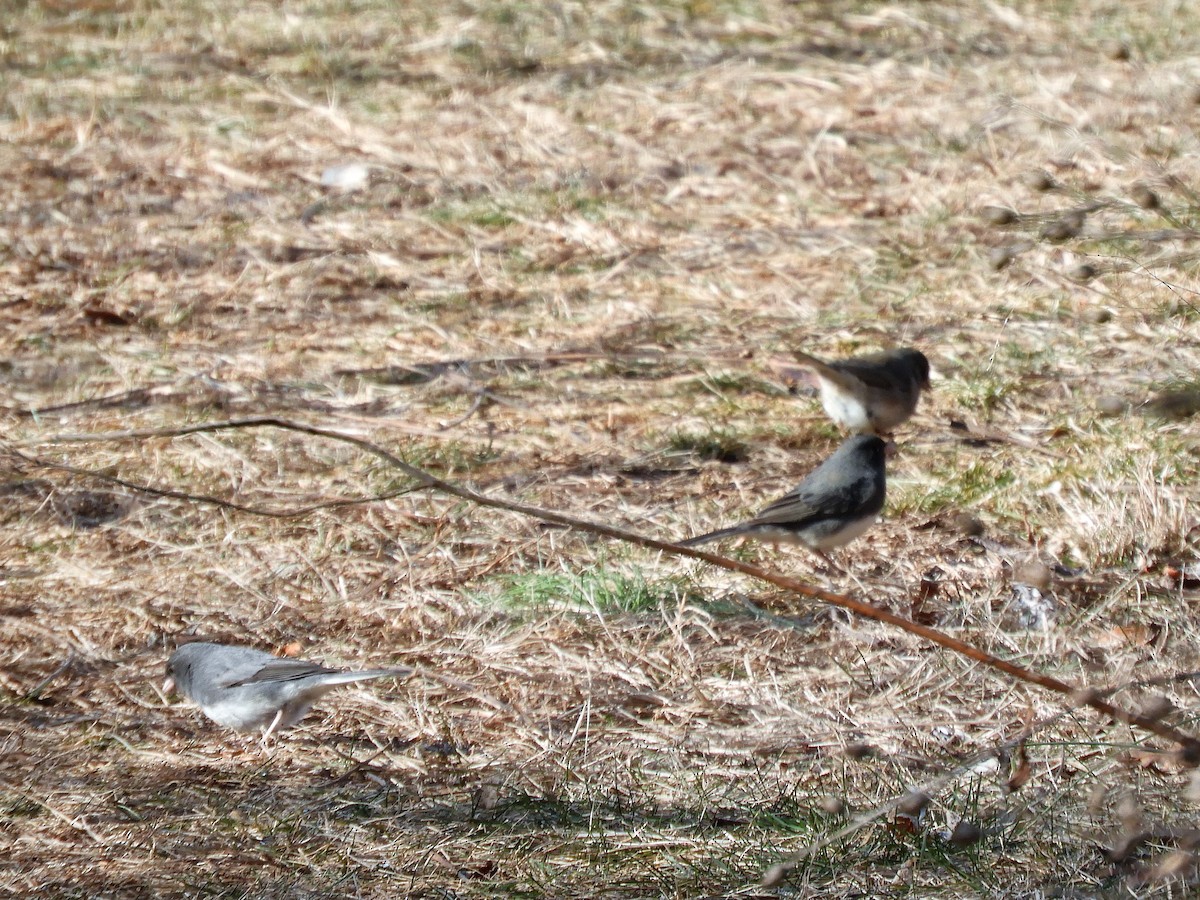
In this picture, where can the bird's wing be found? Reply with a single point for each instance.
(792, 508)
(817, 498)
(878, 371)
(283, 670)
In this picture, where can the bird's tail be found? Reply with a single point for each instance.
(335, 678)
(827, 374)
(711, 536)
(811, 362)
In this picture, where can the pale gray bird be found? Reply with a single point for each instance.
(872, 393)
(247, 689)
(837, 502)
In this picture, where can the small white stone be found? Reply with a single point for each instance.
(348, 177)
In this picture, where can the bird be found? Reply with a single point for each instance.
(247, 689)
(838, 501)
(872, 393)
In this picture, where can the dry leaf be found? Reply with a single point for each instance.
(965, 834)
(1123, 636)
(1021, 771)
(1153, 761)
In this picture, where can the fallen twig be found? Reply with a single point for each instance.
(1189, 746)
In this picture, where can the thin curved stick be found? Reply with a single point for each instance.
(1189, 746)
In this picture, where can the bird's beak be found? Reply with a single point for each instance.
(168, 686)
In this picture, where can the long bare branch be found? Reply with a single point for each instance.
(1188, 745)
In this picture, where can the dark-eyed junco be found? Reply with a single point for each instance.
(872, 393)
(837, 502)
(247, 689)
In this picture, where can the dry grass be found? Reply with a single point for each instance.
(611, 217)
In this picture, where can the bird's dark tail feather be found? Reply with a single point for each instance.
(711, 536)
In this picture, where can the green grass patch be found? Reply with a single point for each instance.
(735, 383)
(595, 591)
(482, 212)
(952, 489)
(716, 444)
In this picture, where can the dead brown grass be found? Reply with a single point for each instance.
(611, 218)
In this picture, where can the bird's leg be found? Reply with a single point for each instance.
(831, 566)
(271, 728)
(834, 568)
(846, 573)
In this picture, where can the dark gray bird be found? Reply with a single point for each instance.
(872, 393)
(247, 689)
(838, 501)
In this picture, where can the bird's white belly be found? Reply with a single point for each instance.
(241, 715)
(852, 530)
(846, 535)
(844, 407)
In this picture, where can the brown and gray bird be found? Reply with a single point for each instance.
(872, 393)
(834, 504)
(246, 689)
